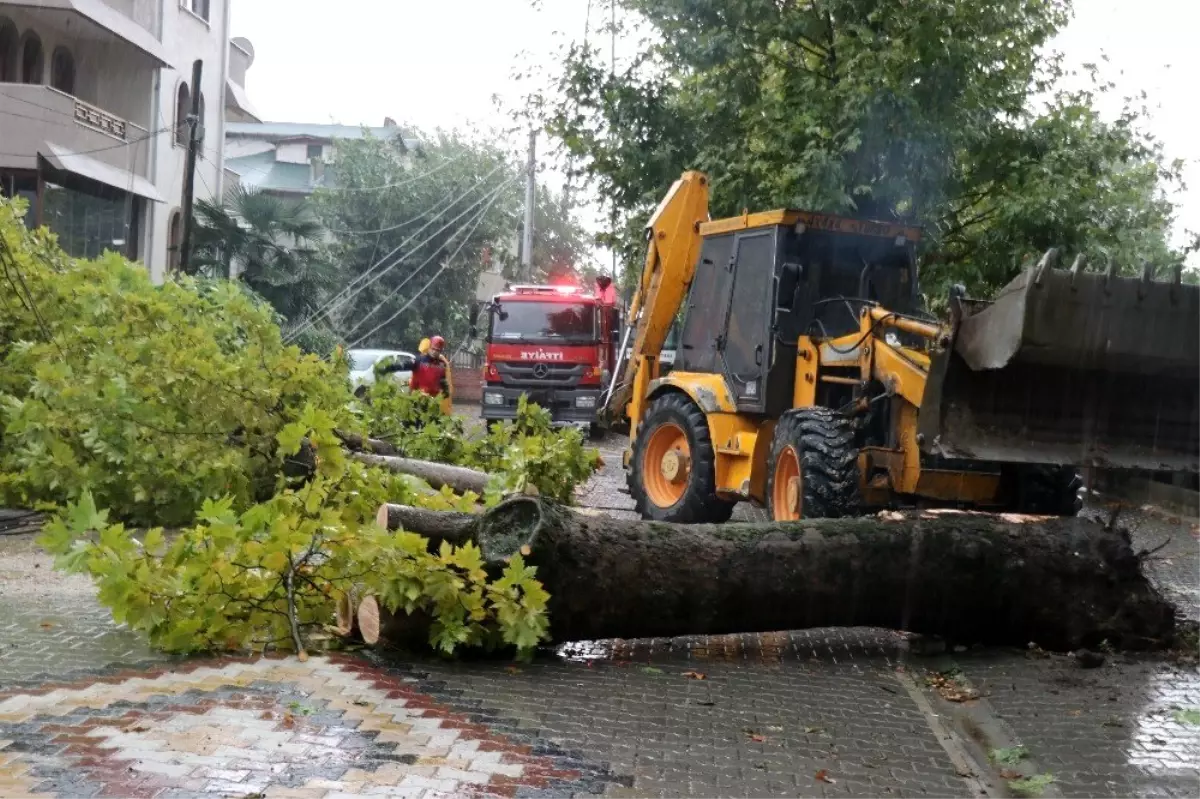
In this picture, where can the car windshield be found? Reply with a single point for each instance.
(544, 321)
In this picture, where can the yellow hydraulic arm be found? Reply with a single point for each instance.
(673, 245)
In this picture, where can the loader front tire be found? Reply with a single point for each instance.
(672, 470)
(1047, 490)
(813, 469)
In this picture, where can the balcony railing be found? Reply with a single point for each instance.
(93, 117)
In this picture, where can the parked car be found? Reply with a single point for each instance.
(365, 363)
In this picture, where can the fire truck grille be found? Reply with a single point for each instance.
(541, 374)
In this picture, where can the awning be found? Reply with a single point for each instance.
(236, 96)
(88, 167)
(105, 16)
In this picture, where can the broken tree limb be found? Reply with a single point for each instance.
(357, 443)
(1063, 583)
(437, 526)
(459, 479)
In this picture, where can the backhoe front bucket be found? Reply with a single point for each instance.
(1072, 367)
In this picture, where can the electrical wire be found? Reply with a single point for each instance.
(474, 224)
(405, 182)
(334, 301)
(337, 303)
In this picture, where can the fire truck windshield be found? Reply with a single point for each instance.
(556, 322)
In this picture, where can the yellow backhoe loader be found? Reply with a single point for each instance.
(807, 377)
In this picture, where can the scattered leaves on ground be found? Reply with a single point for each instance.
(1010, 774)
(512, 670)
(1189, 715)
(950, 686)
(695, 675)
(1009, 756)
(823, 776)
(651, 670)
(1031, 786)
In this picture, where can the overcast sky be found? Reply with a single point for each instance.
(439, 64)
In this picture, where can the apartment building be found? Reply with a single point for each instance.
(94, 98)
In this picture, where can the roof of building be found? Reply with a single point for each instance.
(292, 130)
(261, 171)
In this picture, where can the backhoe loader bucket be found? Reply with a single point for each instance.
(1072, 367)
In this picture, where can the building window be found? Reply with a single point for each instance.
(315, 151)
(197, 7)
(31, 59)
(62, 70)
(183, 106)
(90, 218)
(10, 42)
(174, 241)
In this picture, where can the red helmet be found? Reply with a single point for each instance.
(437, 343)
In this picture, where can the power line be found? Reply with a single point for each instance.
(446, 265)
(333, 301)
(405, 182)
(406, 222)
(475, 223)
(336, 303)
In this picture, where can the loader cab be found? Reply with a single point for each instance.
(764, 280)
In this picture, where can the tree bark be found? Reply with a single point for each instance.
(460, 480)
(1062, 583)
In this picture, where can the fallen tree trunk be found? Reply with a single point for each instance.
(460, 479)
(1062, 583)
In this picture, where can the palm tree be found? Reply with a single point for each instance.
(273, 243)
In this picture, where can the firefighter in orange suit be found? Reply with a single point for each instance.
(437, 366)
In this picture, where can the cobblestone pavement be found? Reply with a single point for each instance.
(813, 713)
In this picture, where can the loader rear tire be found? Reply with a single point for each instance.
(813, 469)
(1047, 490)
(674, 427)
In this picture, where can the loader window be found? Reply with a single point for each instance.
(746, 354)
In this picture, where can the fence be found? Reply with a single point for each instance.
(467, 370)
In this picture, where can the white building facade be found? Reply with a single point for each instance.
(94, 99)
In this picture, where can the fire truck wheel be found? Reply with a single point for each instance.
(672, 475)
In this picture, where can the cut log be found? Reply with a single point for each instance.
(377, 624)
(437, 526)
(345, 615)
(1062, 583)
(460, 480)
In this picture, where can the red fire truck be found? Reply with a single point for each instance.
(555, 345)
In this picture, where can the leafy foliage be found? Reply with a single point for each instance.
(925, 111)
(523, 455)
(1009, 756)
(153, 398)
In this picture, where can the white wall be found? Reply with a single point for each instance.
(294, 152)
(187, 38)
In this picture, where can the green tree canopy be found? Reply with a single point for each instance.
(927, 111)
(414, 229)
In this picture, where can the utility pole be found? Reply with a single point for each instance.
(530, 195)
(195, 136)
